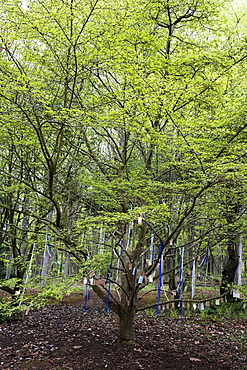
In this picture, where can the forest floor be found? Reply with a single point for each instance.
(62, 336)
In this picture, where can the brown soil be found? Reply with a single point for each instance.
(61, 336)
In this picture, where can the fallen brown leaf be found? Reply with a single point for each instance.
(194, 359)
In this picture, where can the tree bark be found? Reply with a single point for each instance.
(125, 314)
(126, 321)
(228, 273)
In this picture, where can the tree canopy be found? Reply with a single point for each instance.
(122, 123)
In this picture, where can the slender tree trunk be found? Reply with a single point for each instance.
(240, 262)
(46, 263)
(46, 257)
(67, 265)
(9, 269)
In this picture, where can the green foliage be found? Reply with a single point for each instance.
(51, 291)
(8, 311)
(227, 310)
(242, 289)
(97, 265)
(173, 313)
(150, 312)
(12, 283)
(37, 296)
(120, 113)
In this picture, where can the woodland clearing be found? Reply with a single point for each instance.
(62, 336)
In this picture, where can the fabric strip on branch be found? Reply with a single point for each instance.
(118, 262)
(238, 274)
(130, 234)
(144, 261)
(134, 273)
(108, 282)
(101, 240)
(205, 259)
(152, 248)
(160, 284)
(193, 279)
(108, 297)
(140, 279)
(180, 286)
(204, 265)
(86, 298)
(50, 251)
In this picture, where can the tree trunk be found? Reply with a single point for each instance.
(238, 277)
(46, 263)
(126, 321)
(229, 271)
(67, 265)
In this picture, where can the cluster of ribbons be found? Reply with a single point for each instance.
(139, 279)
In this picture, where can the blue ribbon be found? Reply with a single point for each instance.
(145, 260)
(108, 282)
(193, 279)
(160, 278)
(205, 259)
(134, 288)
(86, 298)
(130, 236)
(108, 298)
(152, 248)
(180, 284)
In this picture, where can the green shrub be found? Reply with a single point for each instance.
(227, 310)
(8, 311)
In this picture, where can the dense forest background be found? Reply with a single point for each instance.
(123, 143)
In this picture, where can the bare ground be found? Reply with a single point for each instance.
(61, 336)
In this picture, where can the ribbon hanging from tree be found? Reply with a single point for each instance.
(193, 279)
(50, 251)
(119, 259)
(108, 282)
(160, 284)
(152, 248)
(86, 298)
(130, 234)
(180, 286)
(108, 297)
(134, 273)
(205, 259)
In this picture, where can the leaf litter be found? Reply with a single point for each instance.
(62, 336)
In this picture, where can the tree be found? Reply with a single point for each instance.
(41, 79)
(167, 133)
(131, 130)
